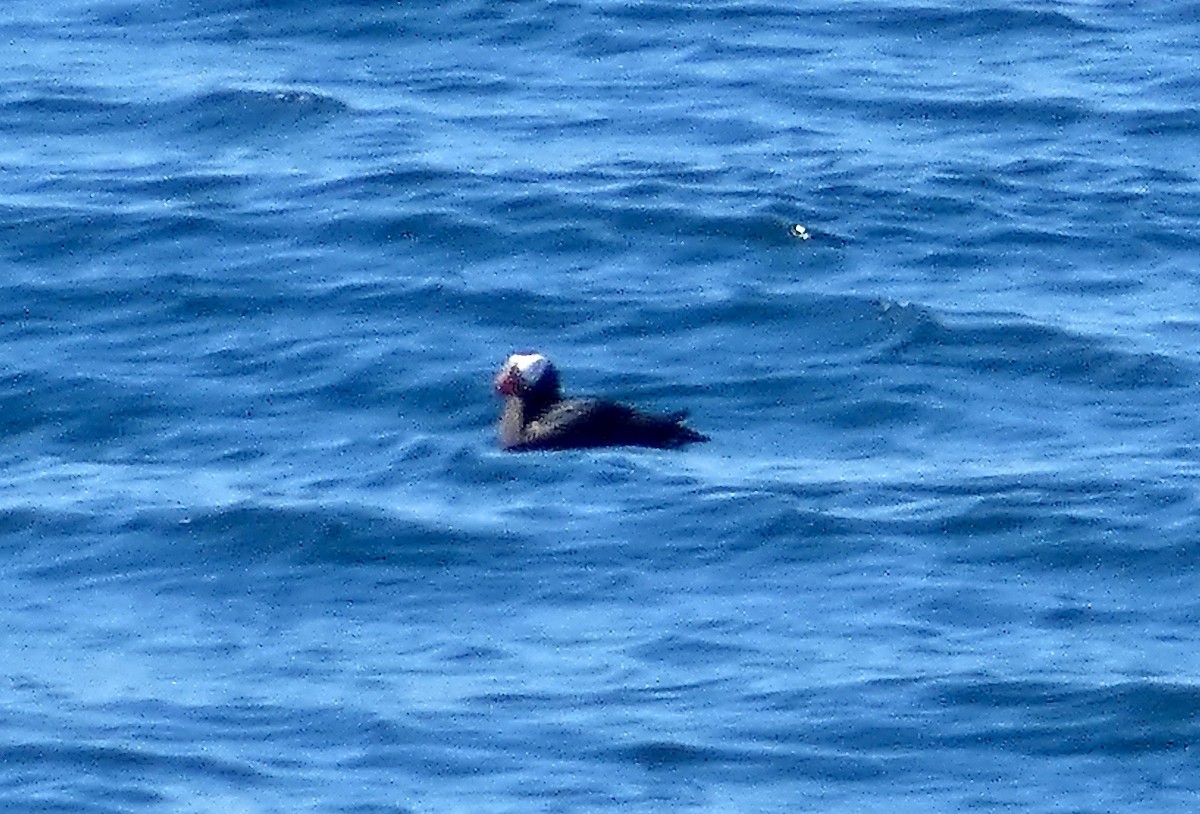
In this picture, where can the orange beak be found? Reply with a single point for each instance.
(507, 382)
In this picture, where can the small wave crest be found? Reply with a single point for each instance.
(239, 113)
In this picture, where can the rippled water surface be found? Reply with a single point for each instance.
(924, 271)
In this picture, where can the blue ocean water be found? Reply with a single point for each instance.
(925, 272)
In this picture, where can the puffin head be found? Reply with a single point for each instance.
(527, 374)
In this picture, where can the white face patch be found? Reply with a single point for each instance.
(531, 366)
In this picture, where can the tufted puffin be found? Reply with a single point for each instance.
(536, 416)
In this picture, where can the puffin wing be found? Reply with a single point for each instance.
(569, 424)
(663, 431)
(576, 423)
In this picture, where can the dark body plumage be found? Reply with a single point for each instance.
(538, 417)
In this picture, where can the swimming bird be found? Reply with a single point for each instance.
(536, 416)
